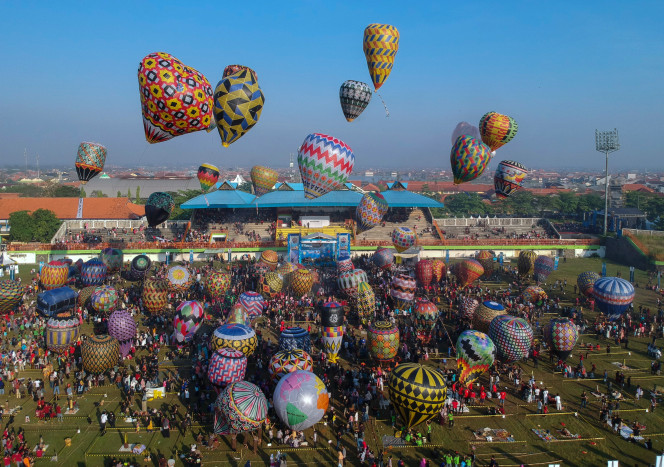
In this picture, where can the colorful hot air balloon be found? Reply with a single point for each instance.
(287, 270)
(508, 178)
(512, 337)
(485, 258)
(468, 158)
(84, 295)
(497, 129)
(354, 97)
(425, 316)
(300, 399)
(61, 333)
(176, 99)
(112, 258)
(424, 272)
(613, 296)
(402, 291)
(253, 302)
(208, 176)
(467, 271)
(90, 159)
(475, 355)
(526, 262)
(465, 129)
(121, 326)
(417, 392)
(158, 208)
(270, 259)
(365, 301)
(140, 266)
(485, 313)
(301, 282)
(100, 353)
(534, 294)
(238, 103)
(349, 281)
(288, 361)
(11, 294)
(370, 211)
(325, 163)
(332, 338)
(263, 179)
(104, 299)
(383, 258)
(155, 295)
(240, 407)
(331, 314)
(238, 315)
(271, 284)
(586, 281)
(227, 366)
(438, 270)
(344, 265)
(179, 278)
(54, 275)
(234, 336)
(403, 238)
(380, 44)
(561, 335)
(93, 272)
(217, 283)
(187, 320)
(295, 338)
(383, 340)
(542, 267)
(467, 307)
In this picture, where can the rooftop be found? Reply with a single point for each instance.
(68, 208)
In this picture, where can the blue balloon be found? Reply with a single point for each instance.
(613, 296)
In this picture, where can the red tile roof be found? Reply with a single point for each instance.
(636, 187)
(67, 208)
(370, 187)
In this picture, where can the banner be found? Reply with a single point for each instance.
(555, 263)
(191, 256)
(343, 245)
(603, 269)
(41, 265)
(447, 257)
(631, 274)
(294, 248)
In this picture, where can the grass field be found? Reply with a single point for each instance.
(597, 444)
(652, 246)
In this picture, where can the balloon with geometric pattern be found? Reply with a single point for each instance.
(155, 295)
(240, 407)
(354, 97)
(613, 296)
(365, 301)
(140, 266)
(54, 275)
(253, 302)
(208, 176)
(234, 336)
(508, 178)
(349, 281)
(497, 129)
(383, 258)
(403, 238)
(100, 353)
(526, 262)
(467, 271)
(383, 340)
(300, 399)
(467, 307)
(263, 179)
(331, 314)
(439, 270)
(287, 269)
(370, 211)
(560, 335)
(61, 333)
(104, 299)
(402, 291)
(11, 294)
(485, 258)
(271, 284)
(226, 366)
(187, 320)
(468, 158)
(112, 258)
(534, 294)
(485, 313)
(301, 283)
(424, 272)
(90, 159)
(121, 326)
(175, 99)
(270, 259)
(475, 355)
(344, 265)
(179, 278)
(417, 392)
(293, 338)
(325, 163)
(217, 283)
(84, 296)
(288, 361)
(425, 316)
(512, 337)
(332, 338)
(380, 44)
(542, 267)
(158, 208)
(232, 69)
(93, 272)
(586, 280)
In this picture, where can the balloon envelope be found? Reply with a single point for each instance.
(468, 158)
(158, 208)
(467, 271)
(354, 97)
(325, 163)
(288, 361)
(424, 272)
(613, 296)
(497, 129)
(380, 44)
(526, 262)
(508, 178)
(417, 392)
(561, 335)
(542, 267)
(263, 179)
(300, 399)
(383, 258)
(465, 129)
(370, 211)
(11, 294)
(208, 176)
(187, 320)
(475, 354)
(403, 238)
(90, 159)
(586, 280)
(238, 103)
(512, 337)
(240, 407)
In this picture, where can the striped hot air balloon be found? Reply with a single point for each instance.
(263, 179)
(90, 159)
(467, 271)
(380, 44)
(497, 129)
(424, 272)
(613, 296)
(325, 163)
(208, 176)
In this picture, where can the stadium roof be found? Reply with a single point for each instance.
(220, 199)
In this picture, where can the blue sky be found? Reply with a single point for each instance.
(561, 69)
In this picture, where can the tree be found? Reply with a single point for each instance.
(129, 193)
(20, 226)
(138, 194)
(99, 194)
(245, 186)
(569, 203)
(44, 224)
(119, 194)
(466, 204)
(64, 191)
(83, 194)
(522, 203)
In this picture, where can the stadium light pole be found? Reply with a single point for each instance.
(606, 142)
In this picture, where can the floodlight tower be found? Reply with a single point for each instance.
(606, 142)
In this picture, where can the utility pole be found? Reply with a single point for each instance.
(37, 165)
(25, 156)
(606, 142)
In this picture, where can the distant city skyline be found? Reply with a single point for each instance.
(562, 70)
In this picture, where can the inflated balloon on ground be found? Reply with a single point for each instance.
(424, 272)
(383, 258)
(271, 284)
(300, 399)
(121, 326)
(475, 355)
(613, 296)
(227, 366)
(187, 320)
(11, 294)
(439, 270)
(468, 271)
(526, 262)
(234, 336)
(512, 337)
(240, 407)
(485, 313)
(425, 316)
(485, 258)
(560, 335)
(295, 338)
(253, 302)
(217, 283)
(112, 258)
(179, 278)
(100, 353)
(288, 361)
(534, 294)
(467, 307)
(542, 267)
(402, 291)
(365, 301)
(349, 281)
(270, 259)
(93, 272)
(302, 282)
(54, 275)
(61, 333)
(417, 392)
(140, 266)
(104, 299)
(383, 340)
(155, 295)
(586, 280)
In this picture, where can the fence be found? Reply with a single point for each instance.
(491, 222)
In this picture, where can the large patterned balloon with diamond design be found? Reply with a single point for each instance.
(301, 282)
(354, 97)
(383, 340)
(485, 313)
(325, 163)
(288, 361)
(467, 307)
(54, 275)
(217, 284)
(100, 353)
(417, 392)
(439, 270)
(270, 259)
(586, 280)
(227, 366)
(11, 294)
(561, 334)
(467, 271)
(485, 258)
(512, 337)
(104, 299)
(155, 295)
(370, 211)
(497, 129)
(468, 158)
(534, 294)
(121, 326)
(300, 399)
(235, 336)
(93, 272)
(271, 284)
(613, 296)
(240, 407)
(365, 301)
(403, 238)
(90, 159)
(238, 103)
(542, 267)
(425, 316)
(475, 354)
(380, 44)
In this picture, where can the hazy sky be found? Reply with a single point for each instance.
(560, 68)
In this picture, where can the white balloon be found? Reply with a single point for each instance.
(465, 128)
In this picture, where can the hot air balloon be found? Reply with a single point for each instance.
(383, 340)
(90, 159)
(403, 238)
(332, 338)
(104, 299)
(402, 291)
(100, 353)
(11, 294)
(365, 301)
(348, 281)
(93, 272)
(508, 178)
(561, 335)
(62, 332)
(485, 314)
(217, 284)
(512, 337)
(238, 103)
(485, 258)
(370, 211)
(270, 259)
(158, 208)
(227, 366)
(534, 294)
(526, 262)
(424, 272)
(325, 163)
(179, 278)
(208, 176)
(354, 97)
(300, 399)
(187, 320)
(302, 282)
(121, 326)
(344, 265)
(140, 266)
(54, 275)
(176, 99)
(425, 316)
(438, 270)
(287, 270)
(112, 258)
(469, 157)
(465, 129)
(467, 307)
(253, 302)
(467, 271)
(475, 355)
(613, 296)
(234, 336)
(288, 361)
(238, 315)
(240, 407)
(271, 284)
(383, 258)
(380, 44)
(263, 179)
(417, 392)
(331, 314)
(497, 129)
(586, 281)
(295, 338)
(155, 295)
(84, 296)
(542, 267)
